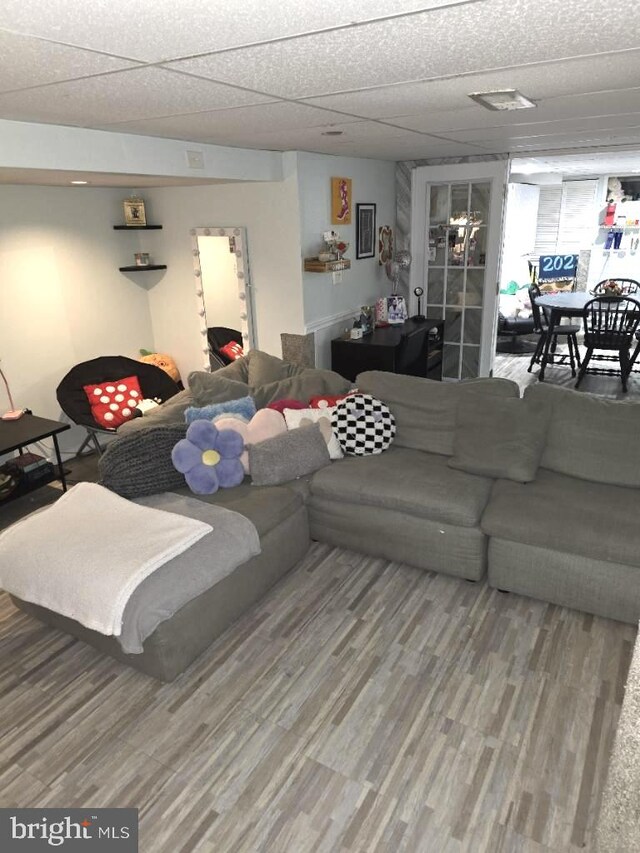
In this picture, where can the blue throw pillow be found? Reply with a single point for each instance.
(243, 408)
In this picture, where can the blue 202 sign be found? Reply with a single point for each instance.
(557, 266)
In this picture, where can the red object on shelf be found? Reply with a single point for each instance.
(609, 214)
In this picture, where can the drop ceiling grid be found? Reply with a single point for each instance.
(485, 36)
(26, 62)
(156, 30)
(143, 92)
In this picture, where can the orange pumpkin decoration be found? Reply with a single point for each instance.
(161, 360)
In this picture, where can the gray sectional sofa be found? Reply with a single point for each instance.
(541, 495)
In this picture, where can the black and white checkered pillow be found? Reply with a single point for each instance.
(363, 425)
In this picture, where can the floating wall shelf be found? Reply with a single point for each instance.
(143, 267)
(314, 265)
(137, 227)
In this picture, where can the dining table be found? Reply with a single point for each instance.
(556, 306)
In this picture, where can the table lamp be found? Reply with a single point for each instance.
(418, 291)
(13, 414)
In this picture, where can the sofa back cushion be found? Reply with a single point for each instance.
(500, 438)
(590, 437)
(425, 410)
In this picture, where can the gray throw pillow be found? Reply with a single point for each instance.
(264, 368)
(288, 456)
(139, 463)
(210, 388)
(499, 437)
(309, 383)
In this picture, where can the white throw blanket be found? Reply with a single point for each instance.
(85, 555)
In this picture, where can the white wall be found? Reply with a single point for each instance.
(269, 211)
(329, 307)
(62, 298)
(26, 145)
(219, 282)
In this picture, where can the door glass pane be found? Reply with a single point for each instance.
(439, 204)
(436, 311)
(452, 325)
(477, 246)
(459, 204)
(437, 246)
(480, 194)
(470, 362)
(472, 325)
(435, 285)
(455, 287)
(475, 288)
(451, 361)
(457, 239)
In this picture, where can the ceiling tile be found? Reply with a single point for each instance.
(136, 94)
(242, 123)
(31, 62)
(475, 37)
(152, 30)
(474, 116)
(574, 76)
(484, 135)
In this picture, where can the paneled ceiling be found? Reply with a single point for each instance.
(391, 76)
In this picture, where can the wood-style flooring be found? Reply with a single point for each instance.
(363, 706)
(515, 367)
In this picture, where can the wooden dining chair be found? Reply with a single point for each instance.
(628, 286)
(610, 325)
(541, 328)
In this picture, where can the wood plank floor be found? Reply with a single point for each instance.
(515, 367)
(363, 706)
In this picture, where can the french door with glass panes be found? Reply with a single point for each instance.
(455, 242)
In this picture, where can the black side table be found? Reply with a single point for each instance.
(15, 435)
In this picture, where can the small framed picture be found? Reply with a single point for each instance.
(365, 230)
(385, 244)
(134, 212)
(341, 201)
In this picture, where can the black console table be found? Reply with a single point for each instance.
(413, 348)
(15, 435)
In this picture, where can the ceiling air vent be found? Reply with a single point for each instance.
(507, 99)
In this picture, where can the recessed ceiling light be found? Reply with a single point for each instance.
(79, 183)
(506, 99)
(332, 132)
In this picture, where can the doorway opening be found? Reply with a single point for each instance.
(571, 221)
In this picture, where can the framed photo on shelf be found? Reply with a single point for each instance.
(365, 230)
(134, 212)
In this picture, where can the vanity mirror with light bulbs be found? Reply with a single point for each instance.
(223, 288)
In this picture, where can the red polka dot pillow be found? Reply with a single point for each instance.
(112, 403)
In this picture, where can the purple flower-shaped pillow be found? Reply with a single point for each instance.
(209, 458)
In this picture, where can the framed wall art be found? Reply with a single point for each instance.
(365, 231)
(341, 201)
(385, 244)
(134, 212)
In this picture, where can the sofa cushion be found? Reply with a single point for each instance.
(215, 387)
(590, 437)
(265, 506)
(562, 513)
(420, 484)
(499, 437)
(139, 463)
(425, 410)
(264, 368)
(288, 456)
(170, 412)
(309, 383)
